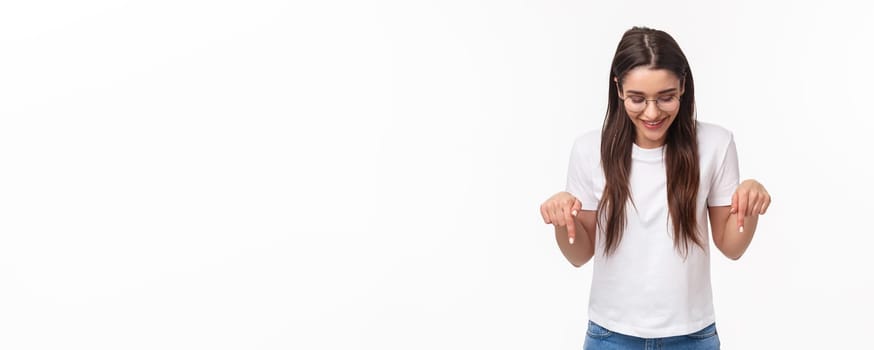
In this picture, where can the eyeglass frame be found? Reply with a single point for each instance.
(646, 100)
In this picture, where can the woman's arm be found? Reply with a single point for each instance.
(733, 227)
(584, 246)
(726, 232)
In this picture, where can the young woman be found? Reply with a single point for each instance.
(638, 196)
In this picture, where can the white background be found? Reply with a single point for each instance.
(367, 175)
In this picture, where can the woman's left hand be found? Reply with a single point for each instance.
(749, 199)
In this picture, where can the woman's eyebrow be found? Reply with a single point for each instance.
(660, 92)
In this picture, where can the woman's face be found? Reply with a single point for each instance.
(651, 118)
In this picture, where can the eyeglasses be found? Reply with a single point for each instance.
(637, 103)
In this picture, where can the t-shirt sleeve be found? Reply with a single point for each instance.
(579, 174)
(726, 178)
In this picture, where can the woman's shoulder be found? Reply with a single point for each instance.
(588, 138)
(709, 133)
(587, 144)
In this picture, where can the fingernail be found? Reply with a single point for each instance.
(571, 239)
(741, 229)
(574, 213)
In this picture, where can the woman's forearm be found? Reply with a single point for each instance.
(583, 248)
(734, 243)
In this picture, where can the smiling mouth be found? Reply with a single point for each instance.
(654, 125)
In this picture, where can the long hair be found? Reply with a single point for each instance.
(641, 46)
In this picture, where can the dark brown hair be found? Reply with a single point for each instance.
(655, 49)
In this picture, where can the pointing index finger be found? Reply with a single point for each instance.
(571, 222)
(741, 210)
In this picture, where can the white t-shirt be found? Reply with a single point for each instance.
(645, 289)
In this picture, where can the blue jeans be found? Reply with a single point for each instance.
(600, 338)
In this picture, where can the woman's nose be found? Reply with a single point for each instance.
(652, 110)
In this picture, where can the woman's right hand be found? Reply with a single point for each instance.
(561, 210)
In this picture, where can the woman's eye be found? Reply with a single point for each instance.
(637, 99)
(666, 98)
